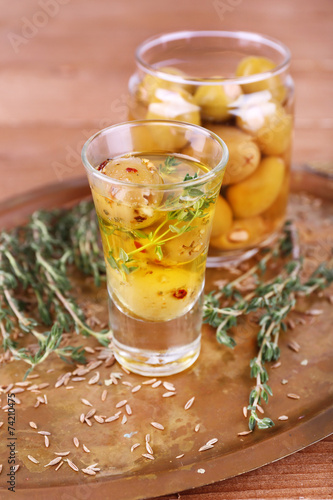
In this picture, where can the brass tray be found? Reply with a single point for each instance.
(219, 380)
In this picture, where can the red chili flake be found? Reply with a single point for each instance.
(139, 218)
(130, 169)
(180, 293)
(102, 165)
(137, 244)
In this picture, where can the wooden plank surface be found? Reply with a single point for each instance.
(64, 70)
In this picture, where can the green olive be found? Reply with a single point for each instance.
(244, 153)
(129, 206)
(150, 84)
(215, 101)
(258, 192)
(269, 124)
(170, 105)
(253, 65)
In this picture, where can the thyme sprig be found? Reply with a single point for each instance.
(274, 299)
(182, 219)
(34, 265)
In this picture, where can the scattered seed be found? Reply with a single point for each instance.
(85, 402)
(291, 324)
(157, 425)
(149, 449)
(284, 381)
(135, 446)
(283, 417)
(168, 386)
(294, 346)
(90, 350)
(245, 411)
(82, 417)
(16, 468)
(104, 395)
(293, 396)
(99, 419)
(45, 398)
(121, 403)
(136, 388)
(33, 425)
(85, 448)
(149, 382)
(128, 384)
(201, 471)
(124, 420)
(260, 409)
(125, 370)
(314, 312)
(168, 394)
(189, 403)
(72, 465)
(212, 441)
(94, 379)
(22, 384)
(78, 379)
(180, 456)
(43, 386)
(147, 455)
(33, 375)
(1, 424)
(53, 462)
(206, 447)
(33, 459)
(156, 384)
(62, 453)
(44, 433)
(89, 472)
(87, 421)
(17, 390)
(276, 365)
(76, 442)
(58, 466)
(244, 433)
(93, 365)
(46, 441)
(304, 362)
(0, 468)
(111, 419)
(91, 413)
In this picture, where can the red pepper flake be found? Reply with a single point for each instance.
(102, 165)
(180, 293)
(137, 244)
(133, 170)
(139, 218)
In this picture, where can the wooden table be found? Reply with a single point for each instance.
(64, 71)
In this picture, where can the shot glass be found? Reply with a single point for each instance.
(155, 208)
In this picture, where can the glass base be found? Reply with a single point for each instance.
(150, 364)
(216, 258)
(156, 348)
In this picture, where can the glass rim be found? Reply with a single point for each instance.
(160, 187)
(160, 39)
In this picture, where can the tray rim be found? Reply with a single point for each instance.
(320, 423)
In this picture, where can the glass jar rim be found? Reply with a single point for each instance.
(160, 187)
(160, 39)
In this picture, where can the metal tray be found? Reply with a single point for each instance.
(219, 380)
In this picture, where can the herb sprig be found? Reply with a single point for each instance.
(195, 205)
(34, 264)
(274, 299)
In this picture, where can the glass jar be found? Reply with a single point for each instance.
(236, 84)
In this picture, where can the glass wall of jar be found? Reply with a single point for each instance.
(236, 84)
